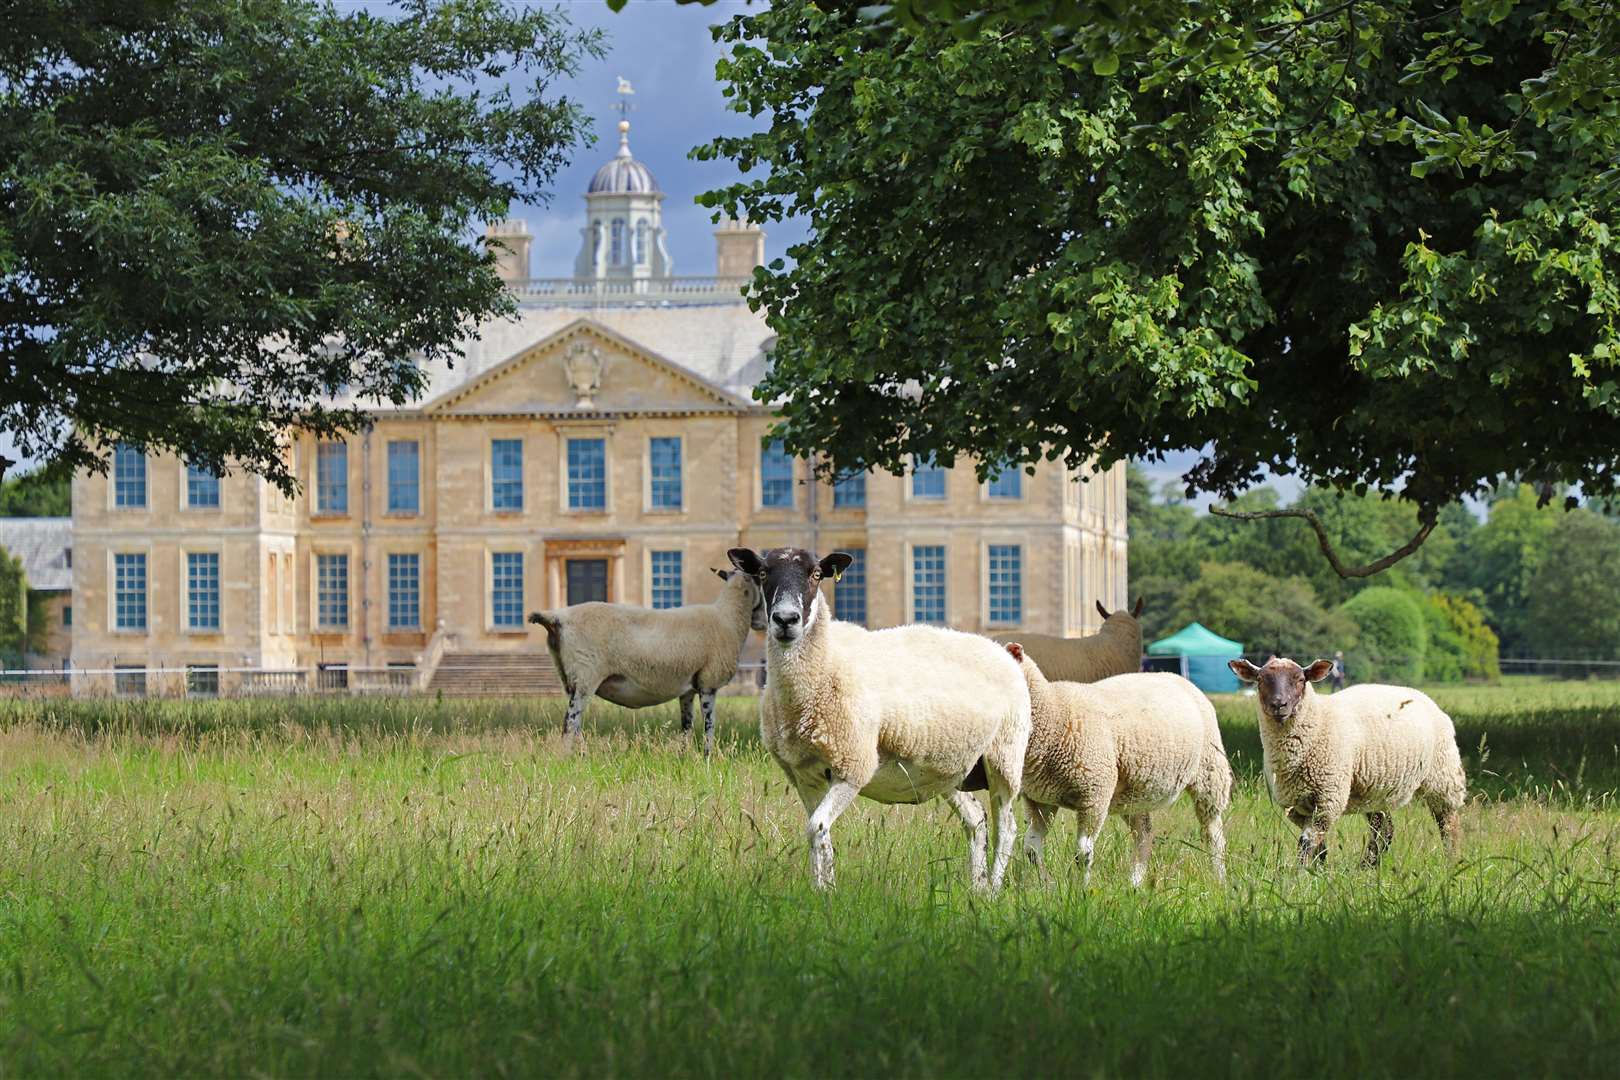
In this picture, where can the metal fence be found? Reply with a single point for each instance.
(205, 681)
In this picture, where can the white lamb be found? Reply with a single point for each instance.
(902, 715)
(1365, 750)
(1128, 745)
(636, 657)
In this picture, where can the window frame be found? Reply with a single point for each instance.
(115, 592)
(498, 605)
(991, 585)
(326, 506)
(506, 487)
(769, 452)
(653, 572)
(187, 575)
(1016, 474)
(930, 469)
(854, 578)
(848, 483)
(913, 574)
(415, 509)
(122, 451)
(568, 467)
(389, 589)
(653, 480)
(190, 476)
(318, 591)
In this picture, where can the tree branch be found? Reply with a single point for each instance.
(1427, 516)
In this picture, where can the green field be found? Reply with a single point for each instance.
(439, 889)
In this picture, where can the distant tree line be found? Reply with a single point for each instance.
(1526, 581)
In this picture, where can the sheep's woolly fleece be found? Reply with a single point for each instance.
(1115, 649)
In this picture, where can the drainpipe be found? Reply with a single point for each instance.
(365, 546)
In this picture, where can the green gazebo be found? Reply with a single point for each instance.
(1203, 655)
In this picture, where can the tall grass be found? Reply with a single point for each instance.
(443, 889)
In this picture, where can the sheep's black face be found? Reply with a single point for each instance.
(789, 580)
(1280, 684)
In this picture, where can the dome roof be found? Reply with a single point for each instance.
(624, 175)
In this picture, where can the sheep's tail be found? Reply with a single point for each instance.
(553, 628)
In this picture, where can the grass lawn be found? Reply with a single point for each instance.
(291, 888)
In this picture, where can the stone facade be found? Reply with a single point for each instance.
(602, 445)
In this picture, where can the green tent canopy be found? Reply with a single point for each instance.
(1206, 654)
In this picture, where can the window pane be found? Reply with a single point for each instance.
(587, 474)
(849, 591)
(404, 592)
(1008, 484)
(666, 579)
(927, 479)
(775, 476)
(129, 681)
(928, 583)
(129, 477)
(641, 241)
(202, 680)
(506, 474)
(202, 590)
(202, 487)
(850, 490)
(332, 478)
(129, 592)
(332, 591)
(404, 478)
(1006, 583)
(665, 456)
(506, 588)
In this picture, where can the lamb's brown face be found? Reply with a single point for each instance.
(1280, 684)
(789, 579)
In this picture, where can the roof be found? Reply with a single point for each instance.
(624, 175)
(1195, 639)
(43, 544)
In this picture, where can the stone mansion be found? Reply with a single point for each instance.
(601, 446)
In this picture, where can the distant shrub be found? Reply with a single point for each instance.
(1391, 635)
(1460, 645)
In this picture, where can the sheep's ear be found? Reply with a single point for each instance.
(1104, 612)
(834, 565)
(1244, 670)
(1136, 612)
(1015, 650)
(747, 560)
(1319, 671)
(723, 575)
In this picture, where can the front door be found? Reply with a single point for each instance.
(587, 580)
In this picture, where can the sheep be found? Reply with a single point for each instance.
(635, 656)
(1127, 745)
(1116, 649)
(902, 715)
(1365, 750)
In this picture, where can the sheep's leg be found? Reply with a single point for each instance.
(1091, 823)
(1450, 822)
(819, 831)
(974, 823)
(1006, 822)
(1209, 820)
(686, 710)
(1381, 831)
(1142, 847)
(576, 710)
(706, 698)
(1040, 819)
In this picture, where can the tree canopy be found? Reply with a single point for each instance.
(37, 493)
(1372, 244)
(222, 219)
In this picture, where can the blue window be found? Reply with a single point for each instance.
(332, 478)
(850, 490)
(202, 590)
(1007, 484)
(404, 592)
(666, 579)
(129, 592)
(1006, 583)
(927, 479)
(404, 477)
(506, 588)
(849, 591)
(775, 475)
(928, 583)
(665, 458)
(202, 487)
(617, 258)
(641, 241)
(332, 591)
(506, 474)
(129, 477)
(587, 474)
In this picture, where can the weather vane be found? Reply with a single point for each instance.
(625, 105)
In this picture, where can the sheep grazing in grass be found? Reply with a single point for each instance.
(1128, 745)
(1365, 750)
(1116, 649)
(635, 656)
(902, 715)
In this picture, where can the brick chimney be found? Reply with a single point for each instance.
(510, 240)
(739, 246)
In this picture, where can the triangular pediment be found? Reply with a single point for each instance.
(584, 368)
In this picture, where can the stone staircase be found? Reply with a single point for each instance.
(495, 675)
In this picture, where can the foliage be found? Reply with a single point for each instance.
(1500, 560)
(1372, 244)
(1573, 606)
(1459, 643)
(1391, 635)
(13, 603)
(37, 493)
(220, 219)
(1266, 614)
